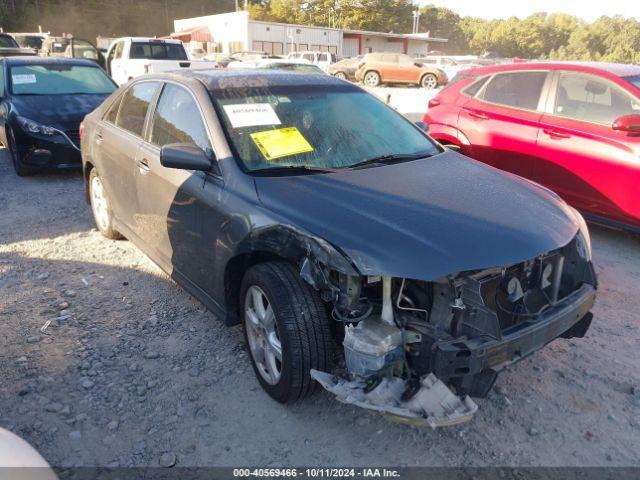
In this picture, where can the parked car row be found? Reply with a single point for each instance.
(233, 181)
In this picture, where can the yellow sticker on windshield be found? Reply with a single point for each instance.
(282, 142)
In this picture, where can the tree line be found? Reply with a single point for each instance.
(545, 36)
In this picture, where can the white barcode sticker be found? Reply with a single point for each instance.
(251, 115)
(23, 78)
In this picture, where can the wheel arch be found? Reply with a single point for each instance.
(311, 256)
(372, 70)
(87, 166)
(424, 74)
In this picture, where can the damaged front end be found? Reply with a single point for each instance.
(418, 350)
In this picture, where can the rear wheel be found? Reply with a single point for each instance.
(340, 75)
(372, 79)
(429, 81)
(287, 330)
(100, 207)
(21, 169)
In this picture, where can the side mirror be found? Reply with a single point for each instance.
(186, 156)
(422, 126)
(628, 124)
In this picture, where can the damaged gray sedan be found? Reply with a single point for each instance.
(358, 254)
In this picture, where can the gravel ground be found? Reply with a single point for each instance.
(131, 370)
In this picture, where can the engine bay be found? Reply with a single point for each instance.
(418, 350)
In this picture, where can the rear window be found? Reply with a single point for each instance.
(515, 89)
(30, 41)
(59, 79)
(475, 87)
(134, 105)
(157, 51)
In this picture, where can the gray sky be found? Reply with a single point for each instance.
(587, 9)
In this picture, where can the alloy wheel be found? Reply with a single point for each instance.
(262, 335)
(429, 81)
(99, 203)
(372, 79)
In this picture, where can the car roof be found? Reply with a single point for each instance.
(251, 77)
(35, 60)
(150, 39)
(616, 69)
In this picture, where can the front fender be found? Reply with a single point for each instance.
(295, 244)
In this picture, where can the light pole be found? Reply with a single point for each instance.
(416, 20)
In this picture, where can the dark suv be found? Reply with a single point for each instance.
(326, 223)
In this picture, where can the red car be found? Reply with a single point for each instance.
(573, 127)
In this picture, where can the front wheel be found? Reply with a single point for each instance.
(100, 207)
(19, 166)
(287, 330)
(429, 81)
(372, 79)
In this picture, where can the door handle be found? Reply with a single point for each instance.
(143, 165)
(553, 133)
(99, 138)
(478, 115)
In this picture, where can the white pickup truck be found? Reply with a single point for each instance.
(130, 57)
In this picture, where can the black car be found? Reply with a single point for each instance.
(42, 102)
(326, 223)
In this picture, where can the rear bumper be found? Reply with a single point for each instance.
(474, 364)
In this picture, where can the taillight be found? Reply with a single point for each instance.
(434, 102)
(81, 131)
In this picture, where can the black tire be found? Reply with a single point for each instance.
(340, 75)
(303, 328)
(20, 168)
(104, 227)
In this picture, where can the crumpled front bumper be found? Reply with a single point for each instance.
(476, 362)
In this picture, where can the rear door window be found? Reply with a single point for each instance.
(134, 105)
(592, 99)
(112, 113)
(515, 89)
(177, 119)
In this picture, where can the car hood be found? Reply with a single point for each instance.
(424, 219)
(60, 111)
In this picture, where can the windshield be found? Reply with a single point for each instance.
(59, 80)
(634, 80)
(158, 51)
(7, 42)
(315, 127)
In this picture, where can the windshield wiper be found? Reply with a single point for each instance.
(388, 159)
(293, 169)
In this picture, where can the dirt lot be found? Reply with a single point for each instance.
(133, 371)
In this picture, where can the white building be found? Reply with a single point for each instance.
(234, 32)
